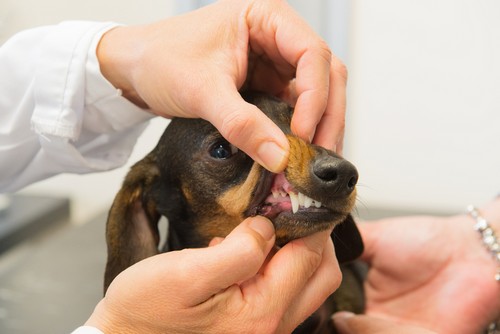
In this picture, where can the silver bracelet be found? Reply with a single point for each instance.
(490, 240)
(492, 244)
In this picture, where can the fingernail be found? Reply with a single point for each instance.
(272, 156)
(262, 226)
(340, 321)
(342, 315)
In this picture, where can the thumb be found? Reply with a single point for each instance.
(248, 128)
(237, 258)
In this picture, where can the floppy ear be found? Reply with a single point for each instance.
(132, 227)
(347, 240)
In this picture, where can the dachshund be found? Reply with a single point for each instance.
(205, 187)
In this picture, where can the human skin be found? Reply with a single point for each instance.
(430, 272)
(193, 66)
(234, 286)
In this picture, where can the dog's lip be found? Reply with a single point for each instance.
(274, 195)
(260, 193)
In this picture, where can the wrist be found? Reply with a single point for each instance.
(491, 212)
(104, 320)
(118, 53)
(486, 221)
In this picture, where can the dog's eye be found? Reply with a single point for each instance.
(223, 150)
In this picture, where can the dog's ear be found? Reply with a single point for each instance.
(347, 241)
(132, 227)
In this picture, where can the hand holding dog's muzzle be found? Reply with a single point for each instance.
(194, 65)
(229, 287)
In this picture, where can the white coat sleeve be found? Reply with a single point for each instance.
(58, 114)
(86, 330)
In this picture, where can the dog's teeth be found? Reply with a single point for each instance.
(282, 193)
(307, 201)
(275, 193)
(302, 198)
(294, 198)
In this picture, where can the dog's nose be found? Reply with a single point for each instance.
(337, 174)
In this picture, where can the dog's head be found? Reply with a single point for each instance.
(205, 187)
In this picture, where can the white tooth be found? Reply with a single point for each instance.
(295, 201)
(275, 193)
(302, 197)
(307, 201)
(317, 204)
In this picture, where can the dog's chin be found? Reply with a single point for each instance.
(291, 225)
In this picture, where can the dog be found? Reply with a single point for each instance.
(205, 187)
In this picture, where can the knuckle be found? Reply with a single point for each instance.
(312, 259)
(339, 68)
(323, 51)
(235, 124)
(335, 278)
(251, 250)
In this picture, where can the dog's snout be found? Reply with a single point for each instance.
(335, 173)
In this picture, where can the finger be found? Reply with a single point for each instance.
(248, 128)
(237, 258)
(312, 87)
(215, 241)
(325, 280)
(349, 323)
(288, 272)
(295, 42)
(330, 130)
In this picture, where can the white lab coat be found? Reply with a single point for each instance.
(86, 330)
(58, 114)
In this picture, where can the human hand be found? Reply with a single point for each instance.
(231, 287)
(431, 272)
(349, 323)
(193, 66)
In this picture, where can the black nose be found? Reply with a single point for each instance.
(337, 174)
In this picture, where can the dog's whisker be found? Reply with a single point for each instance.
(360, 204)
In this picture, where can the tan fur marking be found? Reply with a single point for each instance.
(232, 204)
(218, 226)
(301, 155)
(187, 193)
(236, 200)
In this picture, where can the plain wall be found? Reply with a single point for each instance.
(423, 95)
(424, 102)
